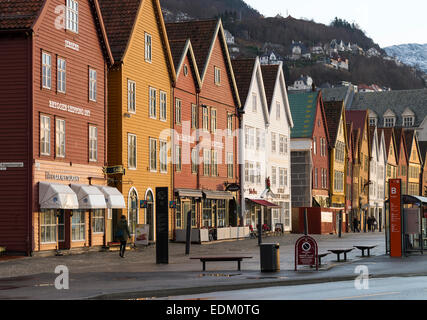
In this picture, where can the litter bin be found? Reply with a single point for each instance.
(270, 257)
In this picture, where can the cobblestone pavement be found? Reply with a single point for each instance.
(143, 259)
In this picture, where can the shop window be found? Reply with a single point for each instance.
(207, 213)
(78, 226)
(98, 221)
(221, 212)
(48, 226)
(178, 215)
(61, 226)
(193, 213)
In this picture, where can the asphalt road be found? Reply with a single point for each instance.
(396, 288)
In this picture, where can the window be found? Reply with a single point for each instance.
(47, 226)
(389, 122)
(258, 138)
(230, 165)
(152, 103)
(214, 163)
(92, 85)
(373, 122)
(205, 119)
(207, 213)
(78, 226)
(281, 177)
(316, 176)
(229, 124)
(206, 162)
(61, 75)
(178, 106)
(60, 138)
(131, 96)
(314, 145)
(251, 173)
(286, 145)
(221, 212)
(194, 116)
(273, 176)
(178, 214)
(46, 70)
(163, 156)
(153, 154)
(254, 102)
(93, 143)
(285, 177)
(45, 135)
(213, 120)
(246, 171)
(72, 16)
(281, 144)
(258, 173)
(98, 221)
(339, 181)
(148, 47)
(217, 76)
(132, 151)
(278, 110)
(408, 121)
(194, 160)
(273, 142)
(178, 158)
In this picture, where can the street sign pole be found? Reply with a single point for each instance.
(188, 234)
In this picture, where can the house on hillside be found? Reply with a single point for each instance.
(270, 57)
(303, 83)
(317, 49)
(229, 38)
(299, 50)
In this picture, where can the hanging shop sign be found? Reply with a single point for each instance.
(114, 170)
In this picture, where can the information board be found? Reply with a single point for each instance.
(395, 193)
(306, 252)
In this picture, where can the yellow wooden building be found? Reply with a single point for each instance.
(337, 128)
(391, 151)
(140, 108)
(414, 165)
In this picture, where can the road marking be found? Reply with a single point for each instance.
(365, 295)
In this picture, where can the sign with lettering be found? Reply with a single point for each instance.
(114, 170)
(69, 108)
(5, 165)
(395, 217)
(72, 45)
(61, 177)
(306, 252)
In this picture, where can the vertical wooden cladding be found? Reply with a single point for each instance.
(185, 90)
(15, 124)
(51, 39)
(320, 161)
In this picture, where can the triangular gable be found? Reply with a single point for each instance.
(182, 53)
(323, 115)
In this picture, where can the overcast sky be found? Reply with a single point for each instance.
(386, 22)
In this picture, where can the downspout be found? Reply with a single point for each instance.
(30, 231)
(105, 143)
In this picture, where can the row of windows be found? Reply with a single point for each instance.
(389, 122)
(322, 142)
(60, 138)
(61, 78)
(323, 178)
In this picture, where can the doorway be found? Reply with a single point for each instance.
(149, 215)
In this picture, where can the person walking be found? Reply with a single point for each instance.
(356, 225)
(374, 224)
(123, 234)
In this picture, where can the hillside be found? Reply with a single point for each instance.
(254, 33)
(411, 54)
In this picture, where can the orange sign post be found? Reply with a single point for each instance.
(395, 217)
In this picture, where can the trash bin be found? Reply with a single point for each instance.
(270, 257)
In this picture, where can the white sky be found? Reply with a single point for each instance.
(388, 23)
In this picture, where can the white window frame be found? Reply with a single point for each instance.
(148, 47)
(205, 118)
(72, 16)
(178, 111)
(408, 121)
(61, 78)
(217, 77)
(213, 120)
(153, 154)
(194, 160)
(45, 135)
(132, 151)
(163, 106)
(206, 162)
(60, 138)
(78, 225)
(273, 143)
(273, 176)
(98, 221)
(178, 158)
(46, 70)
(254, 102)
(92, 84)
(131, 96)
(93, 143)
(278, 106)
(389, 122)
(194, 116)
(163, 156)
(230, 165)
(152, 97)
(44, 225)
(229, 124)
(214, 163)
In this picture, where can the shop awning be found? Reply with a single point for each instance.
(264, 203)
(113, 197)
(418, 200)
(57, 196)
(89, 197)
(191, 193)
(218, 195)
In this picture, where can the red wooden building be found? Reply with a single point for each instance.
(206, 114)
(403, 159)
(53, 56)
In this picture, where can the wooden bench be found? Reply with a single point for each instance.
(363, 248)
(221, 258)
(339, 251)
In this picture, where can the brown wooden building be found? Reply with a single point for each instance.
(54, 56)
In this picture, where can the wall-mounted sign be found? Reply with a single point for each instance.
(395, 217)
(61, 177)
(114, 170)
(69, 108)
(72, 45)
(143, 204)
(5, 165)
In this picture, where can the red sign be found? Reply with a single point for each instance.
(306, 252)
(395, 217)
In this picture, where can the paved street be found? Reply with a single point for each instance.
(105, 275)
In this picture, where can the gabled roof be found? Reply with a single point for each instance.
(423, 150)
(349, 138)
(303, 108)
(243, 71)
(179, 50)
(400, 136)
(19, 14)
(410, 139)
(120, 18)
(372, 130)
(333, 111)
(269, 75)
(388, 138)
(203, 34)
(25, 15)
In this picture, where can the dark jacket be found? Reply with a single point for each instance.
(123, 230)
